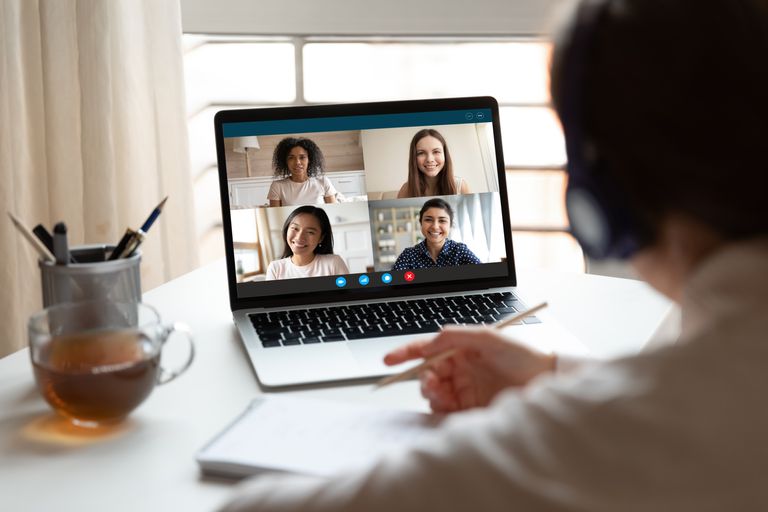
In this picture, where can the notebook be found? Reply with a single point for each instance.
(314, 437)
(352, 229)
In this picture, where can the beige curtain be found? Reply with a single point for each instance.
(92, 132)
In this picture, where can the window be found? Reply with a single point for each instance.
(235, 71)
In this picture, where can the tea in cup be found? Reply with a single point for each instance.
(96, 361)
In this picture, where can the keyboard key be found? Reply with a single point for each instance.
(337, 337)
(270, 344)
(519, 306)
(417, 329)
(311, 339)
(370, 332)
(271, 336)
(351, 331)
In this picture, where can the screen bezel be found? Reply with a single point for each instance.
(357, 109)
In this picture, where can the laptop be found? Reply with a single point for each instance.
(353, 229)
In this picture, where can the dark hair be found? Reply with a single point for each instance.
(326, 242)
(436, 202)
(675, 107)
(316, 164)
(417, 183)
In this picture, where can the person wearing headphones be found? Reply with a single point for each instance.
(665, 114)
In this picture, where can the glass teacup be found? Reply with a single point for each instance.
(96, 361)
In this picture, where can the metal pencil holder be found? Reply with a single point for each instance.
(92, 278)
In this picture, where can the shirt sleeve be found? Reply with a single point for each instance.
(274, 192)
(467, 256)
(328, 188)
(340, 265)
(402, 261)
(565, 363)
(272, 271)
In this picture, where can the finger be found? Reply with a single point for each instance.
(443, 408)
(443, 369)
(430, 384)
(453, 336)
(465, 383)
(405, 353)
(439, 393)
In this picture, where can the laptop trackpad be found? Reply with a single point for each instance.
(369, 354)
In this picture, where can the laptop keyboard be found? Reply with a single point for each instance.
(360, 321)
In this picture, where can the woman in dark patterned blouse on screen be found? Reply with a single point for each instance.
(436, 250)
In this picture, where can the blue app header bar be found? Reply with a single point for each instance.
(368, 122)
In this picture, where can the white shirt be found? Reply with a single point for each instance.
(458, 181)
(322, 265)
(679, 428)
(312, 191)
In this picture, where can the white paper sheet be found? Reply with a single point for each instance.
(311, 437)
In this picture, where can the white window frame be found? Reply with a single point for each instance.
(367, 18)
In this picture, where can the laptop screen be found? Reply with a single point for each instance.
(355, 201)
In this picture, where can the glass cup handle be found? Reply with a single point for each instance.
(167, 376)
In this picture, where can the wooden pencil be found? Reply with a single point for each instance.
(41, 249)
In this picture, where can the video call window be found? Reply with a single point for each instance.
(396, 227)
(373, 199)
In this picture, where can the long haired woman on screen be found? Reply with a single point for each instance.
(430, 168)
(308, 249)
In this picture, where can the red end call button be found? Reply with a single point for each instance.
(409, 276)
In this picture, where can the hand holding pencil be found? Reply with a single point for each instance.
(468, 367)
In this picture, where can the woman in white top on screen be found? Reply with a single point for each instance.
(308, 247)
(299, 167)
(430, 169)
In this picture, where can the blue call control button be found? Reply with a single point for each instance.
(364, 280)
(341, 282)
(386, 278)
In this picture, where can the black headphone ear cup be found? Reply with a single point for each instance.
(587, 220)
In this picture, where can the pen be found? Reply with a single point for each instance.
(132, 239)
(43, 251)
(121, 245)
(134, 243)
(44, 236)
(60, 244)
(412, 372)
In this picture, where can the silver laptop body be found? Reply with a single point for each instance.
(367, 151)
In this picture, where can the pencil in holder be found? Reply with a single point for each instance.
(92, 277)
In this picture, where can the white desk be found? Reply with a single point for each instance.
(148, 464)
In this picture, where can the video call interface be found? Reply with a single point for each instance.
(361, 202)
